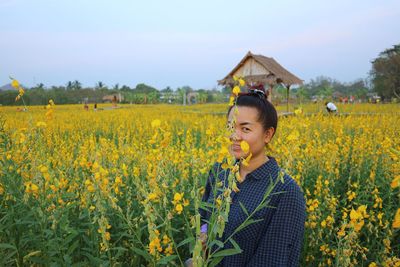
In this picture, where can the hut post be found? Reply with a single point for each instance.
(270, 86)
(287, 97)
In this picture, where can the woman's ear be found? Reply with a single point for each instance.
(269, 133)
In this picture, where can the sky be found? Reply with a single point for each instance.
(189, 43)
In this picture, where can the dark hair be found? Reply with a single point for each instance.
(267, 114)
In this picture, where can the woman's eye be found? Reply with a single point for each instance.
(246, 129)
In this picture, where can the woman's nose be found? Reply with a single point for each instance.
(235, 136)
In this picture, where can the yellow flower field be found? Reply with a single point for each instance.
(120, 187)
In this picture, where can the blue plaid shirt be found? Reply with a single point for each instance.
(274, 241)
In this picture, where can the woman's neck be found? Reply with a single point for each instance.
(254, 163)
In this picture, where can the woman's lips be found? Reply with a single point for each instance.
(236, 148)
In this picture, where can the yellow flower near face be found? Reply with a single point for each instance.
(396, 222)
(236, 90)
(245, 146)
(231, 101)
(15, 84)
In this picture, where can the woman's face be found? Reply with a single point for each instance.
(248, 128)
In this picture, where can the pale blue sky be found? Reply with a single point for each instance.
(176, 42)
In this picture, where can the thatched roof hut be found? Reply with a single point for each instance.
(261, 70)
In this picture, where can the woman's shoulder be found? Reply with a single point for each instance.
(291, 190)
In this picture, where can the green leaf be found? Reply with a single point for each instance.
(217, 242)
(167, 259)
(247, 223)
(234, 244)
(187, 240)
(244, 208)
(142, 253)
(227, 252)
(7, 246)
(33, 253)
(215, 261)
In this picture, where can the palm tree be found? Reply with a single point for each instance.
(99, 85)
(69, 85)
(77, 85)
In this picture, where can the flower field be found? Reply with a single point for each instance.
(120, 187)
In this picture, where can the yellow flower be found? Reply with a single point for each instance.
(298, 111)
(236, 90)
(396, 182)
(245, 146)
(155, 123)
(186, 202)
(41, 124)
(43, 169)
(168, 250)
(107, 236)
(31, 188)
(179, 208)
(354, 215)
(166, 239)
(15, 84)
(235, 188)
(155, 245)
(396, 222)
(293, 135)
(178, 197)
(241, 82)
(246, 161)
(152, 197)
(231, 101)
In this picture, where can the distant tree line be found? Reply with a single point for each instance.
(74, 93)
(384, 80)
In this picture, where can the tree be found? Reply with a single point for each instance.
(385, 73)
(100, 85)
(76, 85)
(302, 94)
(144, 88)
(69, 86)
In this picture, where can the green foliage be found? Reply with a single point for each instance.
(385, 73)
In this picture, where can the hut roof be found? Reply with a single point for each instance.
(275, 73)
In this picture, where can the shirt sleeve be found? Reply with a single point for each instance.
(281, 243)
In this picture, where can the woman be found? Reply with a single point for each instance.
(276, 239)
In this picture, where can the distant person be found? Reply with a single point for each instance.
(330, 107)
(95, 106)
